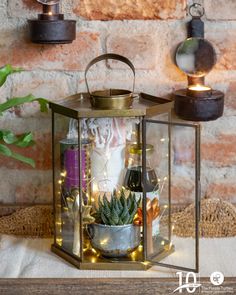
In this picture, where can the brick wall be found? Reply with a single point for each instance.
(147, 32)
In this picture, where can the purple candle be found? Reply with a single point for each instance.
(71, 165)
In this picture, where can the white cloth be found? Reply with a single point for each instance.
(32, 258)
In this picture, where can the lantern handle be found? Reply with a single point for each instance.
(106, 57)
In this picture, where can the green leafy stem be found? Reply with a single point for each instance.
(7, 137)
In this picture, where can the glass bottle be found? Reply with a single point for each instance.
(133, 177)
(133, 182)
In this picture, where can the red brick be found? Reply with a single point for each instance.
(140, 49)
(50, 86)
(223, 40)
(223, 190)
(40, 152)
(221, 152)
(184, 153)
(65, 57)
(182, 190)
(34, 193)
(220, 9)
(129, 9)
(23, 8)
(31, 4)
(230, 97)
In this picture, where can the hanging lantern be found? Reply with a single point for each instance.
(196, 57)
(51, 27)
(112, 176)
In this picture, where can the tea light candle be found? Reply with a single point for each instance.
(199, 91)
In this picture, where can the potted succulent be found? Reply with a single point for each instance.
(114, 234)
(7, 137)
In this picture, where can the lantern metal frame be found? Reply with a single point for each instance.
(78, 107)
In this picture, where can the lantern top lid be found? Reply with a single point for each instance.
(79, 106)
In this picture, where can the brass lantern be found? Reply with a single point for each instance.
(116, 179)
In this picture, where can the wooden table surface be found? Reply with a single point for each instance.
(157, 286)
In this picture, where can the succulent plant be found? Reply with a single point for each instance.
(118, 211)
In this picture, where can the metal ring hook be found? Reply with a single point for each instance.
(199, 8)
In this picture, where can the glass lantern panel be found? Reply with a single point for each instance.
(172, 206)
(109, 235)
(66, 184)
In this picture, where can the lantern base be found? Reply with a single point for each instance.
(52, 31)
(92, 261)
(199, 108)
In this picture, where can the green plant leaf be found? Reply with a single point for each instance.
(23, 159)
(16, 101)
(7, 136)
(43, 104)
(25, 140)
(104, 218)
(4, 150)
(6, 71)
(114, 216)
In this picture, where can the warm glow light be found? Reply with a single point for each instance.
(199, 87)
(140, 248)
(59, 241)
(133, 256)
(63, 174)
(104, 242)
(162, 139)
(50, 13)
(93, 260)
(94, 251)
(95, 187)
(146, 262)
(59, 181)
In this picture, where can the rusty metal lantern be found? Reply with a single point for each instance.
(51, 27)
(94, 152)
(196, 57)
